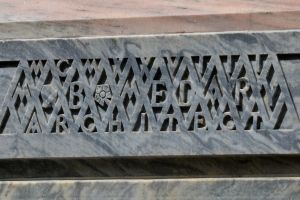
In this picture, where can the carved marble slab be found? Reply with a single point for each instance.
(189, 94)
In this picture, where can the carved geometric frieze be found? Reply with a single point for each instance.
(149, 94)
(190, 94)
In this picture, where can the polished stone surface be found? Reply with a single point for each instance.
(186, 94)
(55, 10)
(72, 18)
(187, 189)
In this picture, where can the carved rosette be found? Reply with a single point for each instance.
(103, 94)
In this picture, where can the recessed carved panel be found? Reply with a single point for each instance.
(197, 93)
(160, 95)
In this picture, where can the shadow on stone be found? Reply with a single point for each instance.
(160, 167)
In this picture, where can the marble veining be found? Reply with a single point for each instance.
(209, 188)
(182, 94)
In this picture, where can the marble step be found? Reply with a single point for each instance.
(60, 19)
(118, 189)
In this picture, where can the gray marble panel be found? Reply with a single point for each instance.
(183, 94)
(162, 189)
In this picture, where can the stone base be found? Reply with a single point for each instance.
(207, 188)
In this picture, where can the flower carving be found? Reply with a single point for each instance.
(103, 94)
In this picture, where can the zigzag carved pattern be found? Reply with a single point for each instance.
(149, 94)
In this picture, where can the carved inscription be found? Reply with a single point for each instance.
(149, 94)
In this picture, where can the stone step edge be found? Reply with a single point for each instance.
(191, 188)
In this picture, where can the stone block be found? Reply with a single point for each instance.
(160, 95)
(136, 189)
